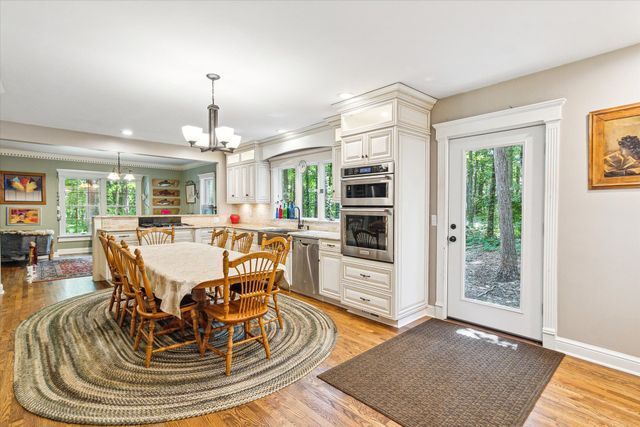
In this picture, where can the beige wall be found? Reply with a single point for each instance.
(599, 231)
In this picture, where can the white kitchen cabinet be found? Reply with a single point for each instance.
(370, 147)
(330, 271)
(248, 183)
(353, 149)
(380, 146)
(184, 235)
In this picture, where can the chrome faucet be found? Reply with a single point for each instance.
(300, 221)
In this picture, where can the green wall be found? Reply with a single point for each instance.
(50, 167)
(192, 174)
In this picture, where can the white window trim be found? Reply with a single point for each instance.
(63, 174)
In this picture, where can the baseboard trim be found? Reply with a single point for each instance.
(73, 251)
(602, 356)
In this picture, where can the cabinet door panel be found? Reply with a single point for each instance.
(380, 145)
(330, 267)
(353, 149)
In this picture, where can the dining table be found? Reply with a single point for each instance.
(188, 268)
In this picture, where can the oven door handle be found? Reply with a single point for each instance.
(368, 179)
(365, 210)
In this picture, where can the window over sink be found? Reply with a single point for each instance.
(307, 181)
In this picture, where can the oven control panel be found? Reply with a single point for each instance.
(383, 168)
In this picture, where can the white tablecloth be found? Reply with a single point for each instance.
(175, 269)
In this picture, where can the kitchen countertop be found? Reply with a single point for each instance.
(316, 234)
(310, 234)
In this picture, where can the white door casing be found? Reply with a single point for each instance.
(548, 113)
(526, 318)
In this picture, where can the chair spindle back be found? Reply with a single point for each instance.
(219, 238)
(155, 236)
(251, 271)
(243, 240)
(278, 246)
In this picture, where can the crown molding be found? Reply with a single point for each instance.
(392, 91)
(297, 133)
(92, 160)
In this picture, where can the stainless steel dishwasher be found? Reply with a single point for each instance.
(306, 260)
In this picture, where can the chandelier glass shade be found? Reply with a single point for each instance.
(116, 173)
(219, 138)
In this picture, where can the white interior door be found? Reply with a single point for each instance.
(496, 204)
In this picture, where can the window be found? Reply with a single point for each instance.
(312, 189)
(85, 194)
(81, 203)
(331, 208)
(208, 193)
(288, 186)
(121, 198)
(310, 192)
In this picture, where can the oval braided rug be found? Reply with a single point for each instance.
(74, 364)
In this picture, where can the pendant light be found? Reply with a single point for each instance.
(116, 173)
(220, 138)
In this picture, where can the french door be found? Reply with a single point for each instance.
(496, 204)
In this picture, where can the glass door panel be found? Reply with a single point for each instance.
(493, 232)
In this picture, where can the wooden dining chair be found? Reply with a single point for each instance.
(219, 238)
(251, 272)
(241, 242)
(280, 247)
(148, 308)
(129, 298)
(155, 235)
(115, 279)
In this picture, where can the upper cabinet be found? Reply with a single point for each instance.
(247, 178)
(369, 147)
(367, 118)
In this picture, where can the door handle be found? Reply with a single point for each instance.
(452, 239)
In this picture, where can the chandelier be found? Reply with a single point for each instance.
(220, 138)
(116, 173)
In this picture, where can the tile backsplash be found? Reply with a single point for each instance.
(263, 214)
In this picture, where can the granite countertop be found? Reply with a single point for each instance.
(311, 234)
(316, 234)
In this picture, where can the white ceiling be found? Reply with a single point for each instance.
(101, 66)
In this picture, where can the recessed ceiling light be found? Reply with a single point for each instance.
(282, 131)
(126, 132)
(346, 95)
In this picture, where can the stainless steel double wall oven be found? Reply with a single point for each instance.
(367, 212)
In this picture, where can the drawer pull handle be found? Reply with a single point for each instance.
(365, 299)
(365, 276)
(330, 245)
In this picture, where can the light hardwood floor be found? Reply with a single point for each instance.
(580, 393)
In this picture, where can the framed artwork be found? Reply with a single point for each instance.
(23, 216)
(23, 188)
(190, 192)
(614, 147)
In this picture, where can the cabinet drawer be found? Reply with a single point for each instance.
(375, 277)
(330, 246)
(354, 296)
